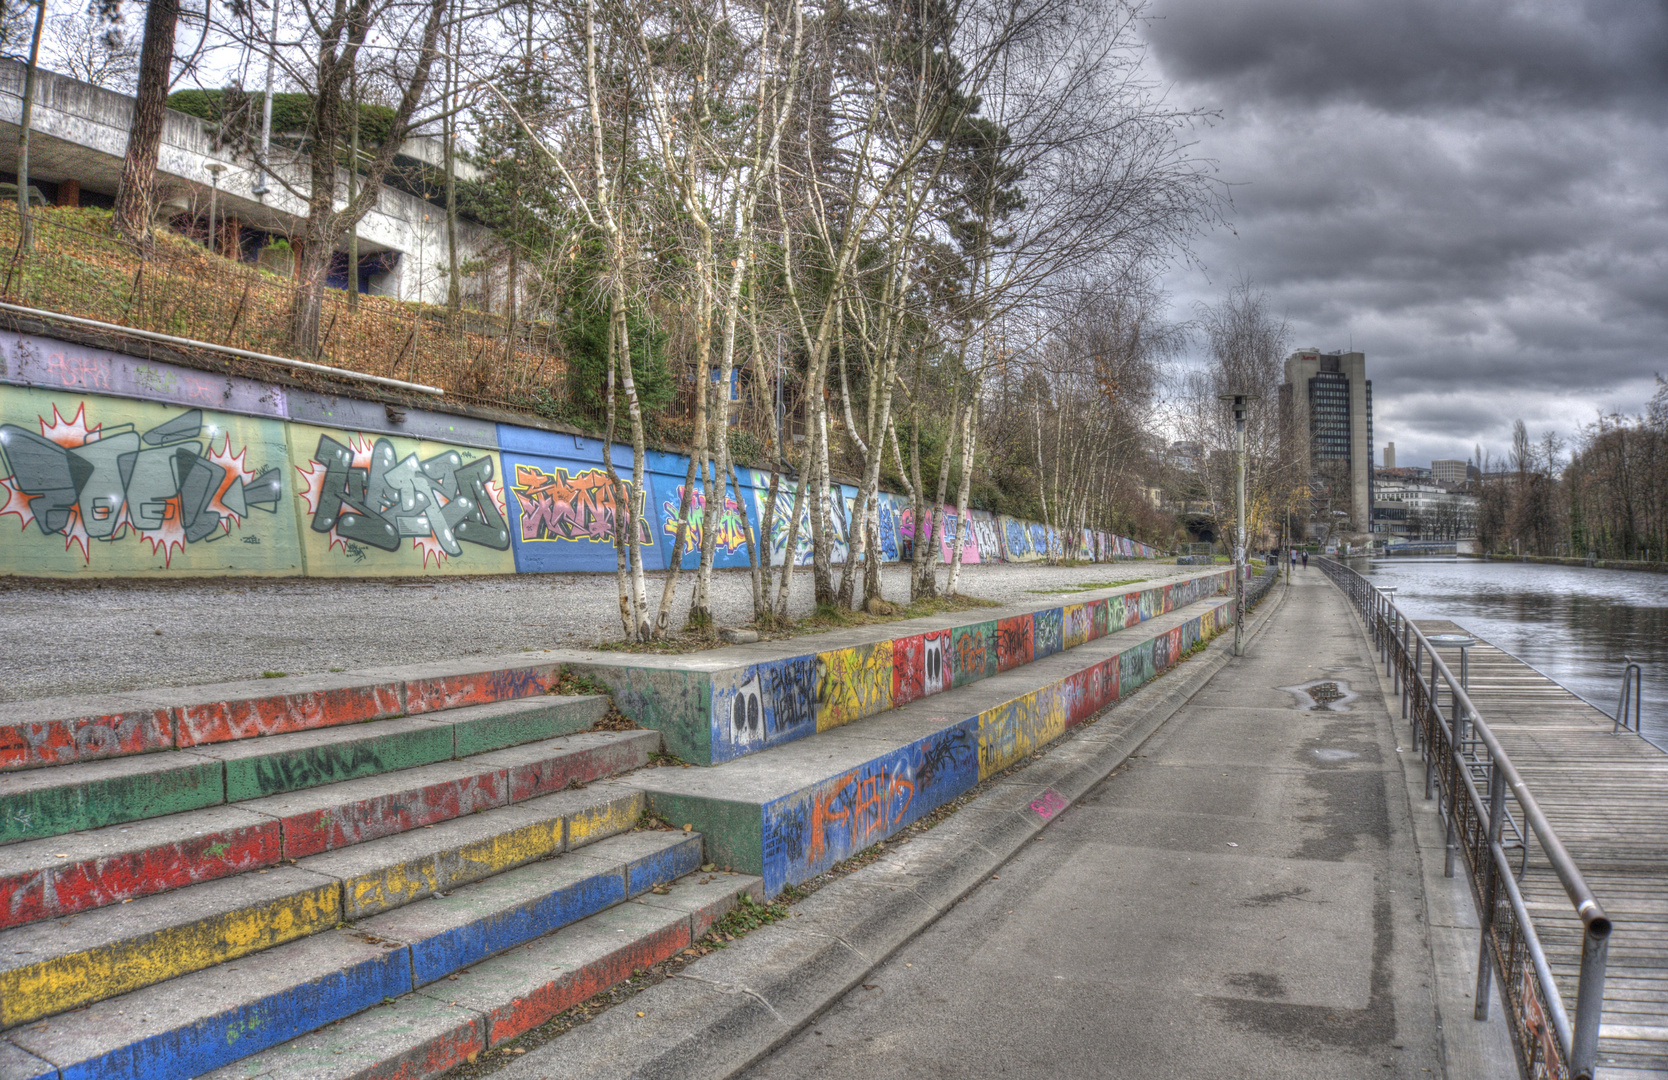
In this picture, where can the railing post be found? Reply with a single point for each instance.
(1496, 820)
(1589, 1000)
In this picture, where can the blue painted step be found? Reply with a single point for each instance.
(191, 1025)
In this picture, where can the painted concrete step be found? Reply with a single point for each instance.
(62, 875)
(692, 700)
(380, 875)
(437, 1028)
(58, 731)
(93, 794)
(723, 704)
(794, 811)
(201, 1021)
(49, 967)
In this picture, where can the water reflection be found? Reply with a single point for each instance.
(1573, 623)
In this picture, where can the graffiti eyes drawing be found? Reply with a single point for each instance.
(747, 713)
(937, 663)
(367, 494)
(97, 483)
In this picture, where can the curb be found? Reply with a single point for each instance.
(733, 1008)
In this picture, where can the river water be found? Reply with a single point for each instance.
(1572, 623)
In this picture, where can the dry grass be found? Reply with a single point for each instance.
(80, 267)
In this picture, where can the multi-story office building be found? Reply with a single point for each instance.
(1328, 400)
(1450, 471)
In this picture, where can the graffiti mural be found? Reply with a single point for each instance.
(888, 528)
(138, 487)
(1079, 624)
(763, 705)
(812, 829)
(853, 683)
(1088, 692)
(920, 666)
(1010, 731)
(561, 505)
(370, 499)
(1013, 642)
(984, 534)
(731, 527)
(1048, 634)
(972, 653)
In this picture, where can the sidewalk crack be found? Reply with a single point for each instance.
(734, 990)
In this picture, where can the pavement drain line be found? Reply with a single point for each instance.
(776, 980)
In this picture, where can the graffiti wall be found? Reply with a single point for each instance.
(807, 832)
(114, 465)
(109, 486)
(373, 505)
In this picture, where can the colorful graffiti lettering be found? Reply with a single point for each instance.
(731, 528)
(366, 494)
(1048, 634)
(770, 703)
(853, 683)
(1013, 642)
(972, 652)
(1011, 731)
(569, 506)
(807, 832)
(96, 483)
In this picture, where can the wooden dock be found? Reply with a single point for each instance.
(1606, 796)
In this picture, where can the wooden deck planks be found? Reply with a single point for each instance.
(1606, 796)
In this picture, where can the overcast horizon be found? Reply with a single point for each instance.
(1468, 191)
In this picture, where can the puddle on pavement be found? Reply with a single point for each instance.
(1328, 695)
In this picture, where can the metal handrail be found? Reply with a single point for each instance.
(1631, 693)
(1471, 774)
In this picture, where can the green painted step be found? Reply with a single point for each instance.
(90, 795)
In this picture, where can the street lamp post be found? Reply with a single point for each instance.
(215, 168)
(1239, 403)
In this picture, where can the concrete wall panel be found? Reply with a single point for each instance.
(369, 505)
(108, 486)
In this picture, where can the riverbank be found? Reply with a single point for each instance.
(1652, 567)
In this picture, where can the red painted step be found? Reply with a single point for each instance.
(62, 875)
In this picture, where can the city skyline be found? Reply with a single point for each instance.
(1465, 191)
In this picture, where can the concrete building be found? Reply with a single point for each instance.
(1414, 508)
(1390, 455)
(1328, 403)
(1451, 471)
(79, 138)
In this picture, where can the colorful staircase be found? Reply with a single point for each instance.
(381, 874)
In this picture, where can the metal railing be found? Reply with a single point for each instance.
(1489, 810)
(1629, 700)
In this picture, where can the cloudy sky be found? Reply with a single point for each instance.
(1472, 192)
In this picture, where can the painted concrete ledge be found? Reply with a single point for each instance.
(732, 1008)
(796, 686)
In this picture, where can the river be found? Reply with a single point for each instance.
(1572, 623)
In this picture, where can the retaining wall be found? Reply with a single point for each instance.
(111, 465)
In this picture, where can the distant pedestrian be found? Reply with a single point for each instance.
(1294, 558)
(1305, 560)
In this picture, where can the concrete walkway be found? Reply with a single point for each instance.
(1244, 898)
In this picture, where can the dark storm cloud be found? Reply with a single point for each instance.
(1473, 193)
(1419, 54)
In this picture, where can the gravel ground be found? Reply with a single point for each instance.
(75, 637)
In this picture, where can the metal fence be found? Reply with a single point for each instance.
(1489, 811)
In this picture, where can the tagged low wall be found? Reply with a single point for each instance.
(112, 465)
